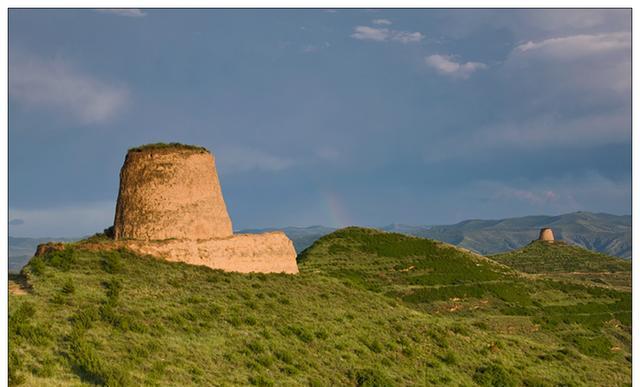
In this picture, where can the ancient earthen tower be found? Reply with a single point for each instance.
(170, 193)
(170, 205)
(546, 234)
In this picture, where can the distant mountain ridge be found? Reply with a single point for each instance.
(604, 233)
(601, 232)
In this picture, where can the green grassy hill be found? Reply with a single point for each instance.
(367, 309)
(544, 257)
(563, 260)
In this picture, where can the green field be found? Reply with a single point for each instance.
(367, 309)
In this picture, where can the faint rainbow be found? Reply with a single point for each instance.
(336, 210)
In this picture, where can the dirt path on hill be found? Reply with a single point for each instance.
(18, 285)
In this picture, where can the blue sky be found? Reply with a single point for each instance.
(332, 117)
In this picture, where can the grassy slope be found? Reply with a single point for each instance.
(442, 280)
(565, 261)
(357, 313)
(543, 257)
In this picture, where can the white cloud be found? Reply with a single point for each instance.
(533, 24)
(406, 37)
(445, 65)
(385, 22)
(556, 20)
(578, 46)
(577, 90)
(127, 12)
(64, 221)
(56, 85)
(594, 63)
(385, 34)
(239, 159)
(370, 33)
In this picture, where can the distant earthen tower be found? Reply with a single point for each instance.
(546, 234)
(170, 206)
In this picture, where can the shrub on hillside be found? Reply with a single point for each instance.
(22, 327)
(493, 375)
(62, 259)
(368, 377)
(68, 287)
(112, 262)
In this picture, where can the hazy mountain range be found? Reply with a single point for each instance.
(606, 233)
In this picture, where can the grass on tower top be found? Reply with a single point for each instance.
(168, 146)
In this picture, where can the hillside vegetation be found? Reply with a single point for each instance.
(544, 257)
(22, 249)
(367, 309)
(569, 262)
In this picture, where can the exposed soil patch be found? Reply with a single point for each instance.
(19, 285)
